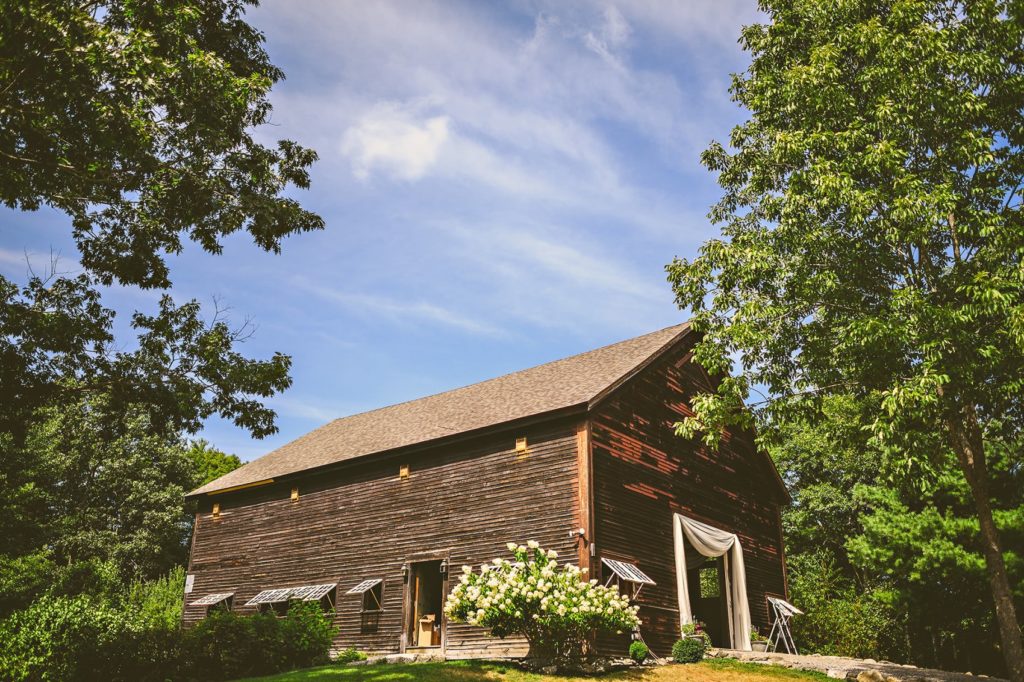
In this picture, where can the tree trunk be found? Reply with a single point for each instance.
(965, 435)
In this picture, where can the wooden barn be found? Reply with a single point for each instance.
(374, 514)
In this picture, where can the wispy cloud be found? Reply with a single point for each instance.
(39, 263)
(612, 35)
(310, 409)
(398, 310)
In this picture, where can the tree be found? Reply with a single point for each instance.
(872, 235)
(209, 463)
(110, 489)
(99, 502)
(877, 553)
(135, 118)
(822, 461)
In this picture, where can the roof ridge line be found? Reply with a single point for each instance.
(508, 374)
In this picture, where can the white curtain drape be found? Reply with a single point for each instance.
(712, 542)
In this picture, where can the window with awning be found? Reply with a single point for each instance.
(216, 599)
(278, 598)
(629, 576)
(371, 593)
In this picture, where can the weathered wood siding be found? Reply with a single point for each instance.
(643, 473)
(461, 502)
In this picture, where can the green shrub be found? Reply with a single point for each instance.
(23, 579)
(349, 655)
(85, 638)
(222, 646)
(225, 645)
(638, 651)
(840, 619)
(688, 650)
(158, 603)
(306, 635)
(268, 652)
(66, 638)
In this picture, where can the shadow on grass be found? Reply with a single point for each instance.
(456, 671)
(717, 670)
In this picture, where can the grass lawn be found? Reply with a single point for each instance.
(714, 670)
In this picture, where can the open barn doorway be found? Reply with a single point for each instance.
(705, 579)
(705, 558)
(424, 606)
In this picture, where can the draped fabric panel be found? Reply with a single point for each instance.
(712, 542)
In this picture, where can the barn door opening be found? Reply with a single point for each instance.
(694, 543)
(424, 612)
(705, 578)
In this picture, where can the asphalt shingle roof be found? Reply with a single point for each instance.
(565, 383)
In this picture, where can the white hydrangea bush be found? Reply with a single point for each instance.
(550, 605)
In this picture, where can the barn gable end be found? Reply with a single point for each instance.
(643, 474)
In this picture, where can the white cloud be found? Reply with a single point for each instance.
(393, 139)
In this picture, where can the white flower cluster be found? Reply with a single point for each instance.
(532, 595)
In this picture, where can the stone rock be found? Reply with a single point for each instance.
(870, 676)
(594, 668)
(836, 673)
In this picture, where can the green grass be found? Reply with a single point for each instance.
(713, 670)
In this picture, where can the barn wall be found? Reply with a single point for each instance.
(643, 473)
(462, 502)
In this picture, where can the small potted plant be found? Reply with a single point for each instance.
(758, 642)
(696, 630)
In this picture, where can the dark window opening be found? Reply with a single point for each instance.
(373, 598)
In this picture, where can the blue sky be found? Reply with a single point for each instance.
(502, 184)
